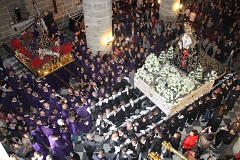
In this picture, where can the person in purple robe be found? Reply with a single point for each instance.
(69, 95)
(101, 92)
(46, 129)
(9, 91)
(98, 62)
(79, 45)
(65, 111)
(57, 146)
(5, 103)
(52, 29)
(77, 95)
(45, 94)
(13, 80)
(91, 58)
(38, 88)
(131, 64)
(60, 35)
(35, 101)
(66, 138)
(86, 54)
(42, 115)
(39, 146)
(52, 99)
(113, 64)
(28, 94)
(56, 113)
(53, 123)
(37, 131)
(59, 104)
(92, 70)
(85, 78)
(73, 128)
(72, 101)
(20, 92)
(80, 60)
(47, 108)
(85, 122)
(101, 75)
(26, 78)
(38, 125)
(86, 65)
(31, 120)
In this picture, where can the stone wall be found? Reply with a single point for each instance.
(64, 7)
(98, 22)
(169, 10)
(6, 16)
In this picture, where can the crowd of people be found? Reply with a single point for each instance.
(38, 123)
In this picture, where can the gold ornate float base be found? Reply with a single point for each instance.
(168, 109)
(47, 68)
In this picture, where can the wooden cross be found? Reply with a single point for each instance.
(39, 14)
(55, 6)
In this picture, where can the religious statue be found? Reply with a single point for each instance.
(17, 12)
(185, 43)
(188, 55)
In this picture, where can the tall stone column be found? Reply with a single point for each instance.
(169, 10)
(98, 24)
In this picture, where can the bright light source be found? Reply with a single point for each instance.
(108, 39)
(177, 6)
(159, 1)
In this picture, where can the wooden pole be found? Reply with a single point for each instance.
(71, 73)
(55, 6)
(67, 85)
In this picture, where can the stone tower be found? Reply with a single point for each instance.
(169, 10)
(98, 24)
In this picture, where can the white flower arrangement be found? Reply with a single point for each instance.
(196, 74)
(145, 75)
(162, 58)
(172, 85)
(167, 80)
(170, 53)
(152, 64)
(211, 76)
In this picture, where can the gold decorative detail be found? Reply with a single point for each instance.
(49, 67)
(79, 84)
(169, 147)
(153, 156)
(208, 63)
(197, 56)
(193, 96)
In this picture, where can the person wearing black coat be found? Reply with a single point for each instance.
(144, 143)
(114, 142)
(100, 156)
(233, 96)
(136, 148)
(156, 145)
(139, 61)
(225, 136)
(90, 144)
(175, 142)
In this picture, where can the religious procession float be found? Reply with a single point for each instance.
(178, 76)
(37, 52)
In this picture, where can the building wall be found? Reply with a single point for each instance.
(65, 7)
